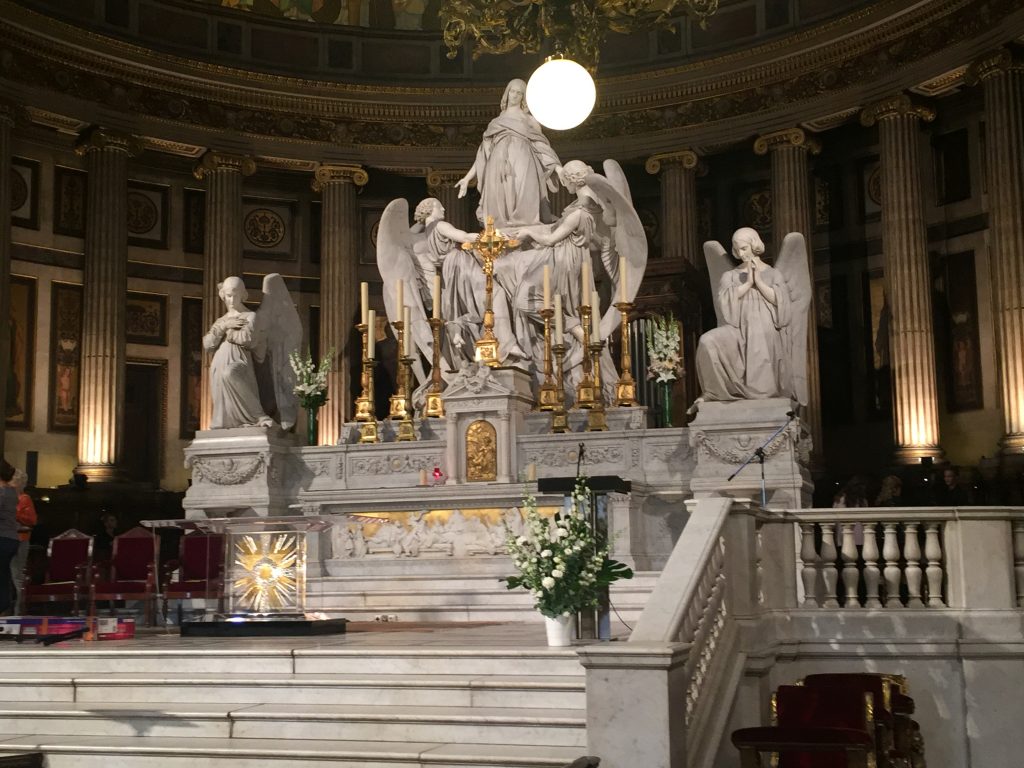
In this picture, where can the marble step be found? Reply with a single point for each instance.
(497, 596)
(464, 613)
(454, 690)
(133, 752)
(460, 725)
(642, 582)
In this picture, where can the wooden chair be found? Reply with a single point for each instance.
(69, 561)
(814, 728)
(200, 567)
(132, 572)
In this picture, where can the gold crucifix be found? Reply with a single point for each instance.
(489, 246)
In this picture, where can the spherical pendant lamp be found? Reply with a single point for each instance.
(560, 93)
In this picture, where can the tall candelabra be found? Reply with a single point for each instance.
(400, 406)
(585, 387)
(596, 417)
(434, 408)
(625, 387)
(366, 412)
(559, 418)
(550, 392)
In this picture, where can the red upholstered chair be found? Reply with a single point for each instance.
(132, 574)
(69, 560)
(200, 567)
(815, 728)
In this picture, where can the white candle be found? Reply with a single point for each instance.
(558, 318)
(400, 290)
(423, 477)
(585, 281)
(371, 334)
(622, 279)
(595, 317)
(407, 324)
(531, 472)
(437, 297)
(364, 301)
(547, 286)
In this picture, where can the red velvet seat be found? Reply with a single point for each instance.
(200, 567)
(69, 560)
(132, 573)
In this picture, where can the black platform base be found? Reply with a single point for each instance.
(264, 628)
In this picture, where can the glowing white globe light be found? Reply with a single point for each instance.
(560, 94)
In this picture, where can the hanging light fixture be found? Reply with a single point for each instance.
(561, 93)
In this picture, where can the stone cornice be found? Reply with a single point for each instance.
(685, 157)
(328, 173)
(214, 160)
(789, 137)
(98, 138)
(892, 107)
(993, 64)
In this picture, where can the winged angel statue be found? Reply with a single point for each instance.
(759, 348)
(251, 379)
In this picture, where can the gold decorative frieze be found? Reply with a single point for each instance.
(97, 137)
(830, 121)
(685, 157)
(224, 161)
(327, 173)
(172, 147)
(788, 137)
(895, 106)
(946, 83)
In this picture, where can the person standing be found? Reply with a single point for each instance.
(27, 517)
(8, 535)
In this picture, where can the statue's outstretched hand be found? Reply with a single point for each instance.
(463, 185)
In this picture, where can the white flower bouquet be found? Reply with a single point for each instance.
(666, 364)
(311, 380)
(560, 559)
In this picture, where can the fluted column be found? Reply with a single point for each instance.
(679, 239)
(6, 127)
(441, 184)
(791, 212)
(339, 288)
(222, 252)
(907, 279)
(1002, 78)
(104, 288)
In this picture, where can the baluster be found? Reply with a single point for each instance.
(933, 554)
(872, 576)
(809, 571)
(912, 554)
(1018, 559)
(891, 553)
(829, 572)
(850, 575)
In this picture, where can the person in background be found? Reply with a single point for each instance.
(26, 516)
(891, 492)
(949, 493)
(8, 535)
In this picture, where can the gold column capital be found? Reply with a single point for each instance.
(215, 160)
(992, 64)
(895, 106)
(788, 137)
(438, 178)
(329, 173)
(97, 137)
(685, 157)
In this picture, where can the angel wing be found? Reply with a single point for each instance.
(628, 238)
(792, 263)
(279, 333)
(719, 262)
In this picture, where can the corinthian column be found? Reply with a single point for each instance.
(791, 212)
(441, 184)
(908, 287)
(6, 126)
(104, 287)
(1002, 81)
(222, 252)
(339, 287)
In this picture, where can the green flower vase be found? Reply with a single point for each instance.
(666, 403)
(311, 425)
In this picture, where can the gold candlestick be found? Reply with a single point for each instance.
(366, 413)
(406, 428)
(489, 245)
(559, 418)
(434, 408)
(549, 391)
(585, 387)
(625, 387)
(397, 407)
(596, 421)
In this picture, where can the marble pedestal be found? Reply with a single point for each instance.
(724, 435)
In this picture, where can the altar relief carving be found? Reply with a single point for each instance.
(481, 452)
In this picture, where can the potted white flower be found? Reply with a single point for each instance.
(666, 362)
(311, 387)
(562, 562)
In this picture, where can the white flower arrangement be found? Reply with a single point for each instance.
(666, 364)
(311, 380)
(560, 559)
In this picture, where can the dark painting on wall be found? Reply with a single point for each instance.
(65, 355)
(754, 208)
(877, 322)
(194, 235)
(69, 201)
(22, 325)
(870, 172)
(963, 375)
(146, 319)
(268, 229)
(370, 218)
(147, 214)
(24, 193)
(191, 366)
(952, 167)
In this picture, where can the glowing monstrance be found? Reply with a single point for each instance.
(489, 246)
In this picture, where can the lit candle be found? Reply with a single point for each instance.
(437, 297)
(585, 281)
(595, 317)
(423, 477)
(364, 301)
(371, 334)
(622, 279)
(558, 319)
(407, 324)
(400, 290)
(547, 286)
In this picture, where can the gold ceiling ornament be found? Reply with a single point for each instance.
(267, 565)
(576, 28)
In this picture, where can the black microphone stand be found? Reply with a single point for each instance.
(759, 455)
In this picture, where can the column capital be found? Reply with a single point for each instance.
(992, 64)
(895, 106)
(97, 137)
(788, 137)
(438, 178)
(329, 173)
(685, 157)
(214, 160)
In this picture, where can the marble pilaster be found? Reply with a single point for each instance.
(6, 128)
(907, 281)
(222, 253)
(339, 288)
(790, 151)
(104, 287)
(678, 175)
(458, 212)
(1002, 79)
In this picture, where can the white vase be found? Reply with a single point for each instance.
(560, 630)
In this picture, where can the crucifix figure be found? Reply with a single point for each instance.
(489, 245)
